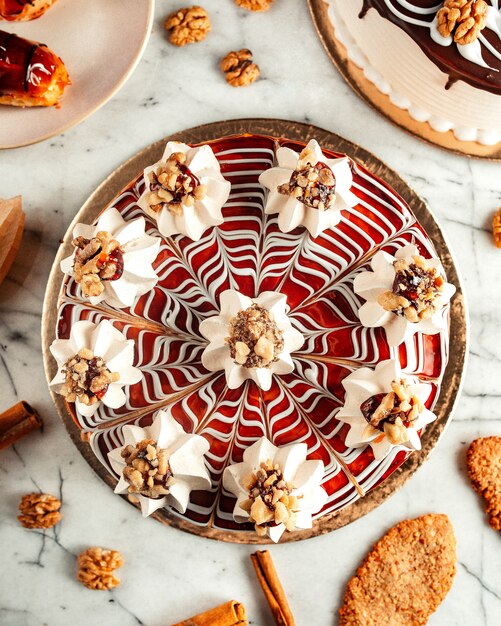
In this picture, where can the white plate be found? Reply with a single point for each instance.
(100, 42)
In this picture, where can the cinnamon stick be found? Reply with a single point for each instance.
(272, 588)
(17, 422)
(230, 614)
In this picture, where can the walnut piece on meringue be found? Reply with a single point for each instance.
(392, 413)
(87, 378)
(417, 290)
(270, 501)
(147, 469)
(96, 260)
(173, 184)
(312, 182)
(255, 339)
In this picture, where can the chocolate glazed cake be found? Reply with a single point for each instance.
(440, 61)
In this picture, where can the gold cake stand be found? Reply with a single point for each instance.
(453, 376)
(355, 77)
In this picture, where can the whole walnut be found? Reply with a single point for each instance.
(96, 567)
(39, 510)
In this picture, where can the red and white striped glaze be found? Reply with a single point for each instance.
(249, 253)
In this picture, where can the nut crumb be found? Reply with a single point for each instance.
(312, 183)
(96, 566)
(97, 260)
(417, 289)
(39, 510)
(254, 338)
(174, 186)
(239, 68)
(87, 378)
(392, 413)
(147, 469)
(188, 25)
(254, 5)
(270, 500)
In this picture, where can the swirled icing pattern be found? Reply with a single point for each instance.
(477, 63)
(249, 253)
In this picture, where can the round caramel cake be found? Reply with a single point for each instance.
(249, 254)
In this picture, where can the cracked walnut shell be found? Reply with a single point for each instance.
(96, 566)
(188, 25)
(254, 5)
(39, 510)
(239, 68)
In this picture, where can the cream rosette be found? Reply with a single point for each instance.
(217, 356)
(139, 252)
(106, 342)
(193, 220)
(186, 462)
(304, 475)
(371, 284)
(364, 383)
(291, 211)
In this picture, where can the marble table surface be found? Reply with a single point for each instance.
(169, 575)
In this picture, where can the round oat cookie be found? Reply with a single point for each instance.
(404, 577)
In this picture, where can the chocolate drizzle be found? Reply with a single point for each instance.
(446, 58)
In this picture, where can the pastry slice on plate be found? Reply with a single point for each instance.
(30, 73)
(23, 10)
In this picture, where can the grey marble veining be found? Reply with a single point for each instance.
(169, 575)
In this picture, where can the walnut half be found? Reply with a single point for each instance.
(239, 68)
(463, 19)
(96, 566)
(39, 510)
(188, 25)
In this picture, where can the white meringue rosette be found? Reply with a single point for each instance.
(364, 383)
(371, 284)
(196, 219)
(186, 461)
(305, 476)
(216, 355)
(292, 212)
(106, 342)
(139, 252)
